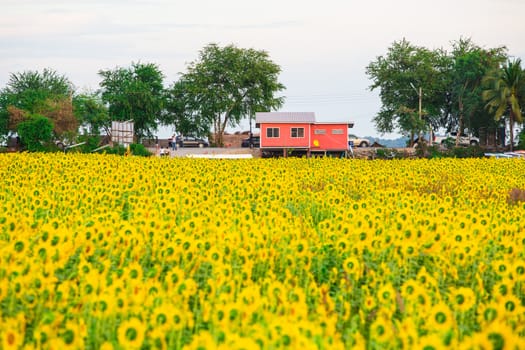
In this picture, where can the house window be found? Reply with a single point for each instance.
(337, 131)
(272, 132)
(297, 132)
(319, 131)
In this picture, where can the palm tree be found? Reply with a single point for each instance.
(503, 93)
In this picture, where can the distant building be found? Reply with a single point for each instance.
(299, 131)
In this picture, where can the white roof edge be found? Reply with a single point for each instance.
(286, 117)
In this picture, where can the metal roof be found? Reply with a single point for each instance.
(285, 117)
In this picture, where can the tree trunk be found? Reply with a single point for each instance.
(460, 121)
(460, 106)
(222, 126)
(511, 125)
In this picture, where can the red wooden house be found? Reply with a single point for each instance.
(281, 131)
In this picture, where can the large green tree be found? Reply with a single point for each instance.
(92, 113)
(224, 86)
(406, 75)
(469, 64)
(135, 93)
(184, 110)
(47, 94)
(503, 95)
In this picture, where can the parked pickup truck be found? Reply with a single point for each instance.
(464, 140)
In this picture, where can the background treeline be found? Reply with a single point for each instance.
(222, 87)
(466, 88)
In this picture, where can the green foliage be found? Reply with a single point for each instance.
(399, 75)
(450, 151)
(136, 150)
(33, 92)
(91, 142)
(183, 109)
(35, 133)
(465, 152)
(503, 95)
(135, 93)
(450, 83)
(117, 149)
(4, 114)
(225, 85)
(92, 113)
(521, 139)
(423, 150)
(389, 153)
(469, 64)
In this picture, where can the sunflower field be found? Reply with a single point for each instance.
(110, 252)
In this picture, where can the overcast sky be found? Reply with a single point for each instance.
(323, 47)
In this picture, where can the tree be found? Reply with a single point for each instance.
(469, 64)
(44, 93)
(183, 109)
(225, 85)
(135, 93)
(502, 96)
(35, 132)
(399, 75)
(91, 113)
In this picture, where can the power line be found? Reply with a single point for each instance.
(329, 98)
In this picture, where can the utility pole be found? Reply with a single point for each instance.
(420, 113)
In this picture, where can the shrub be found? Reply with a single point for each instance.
(138, 149)
(35, 132)
(91, 142)
(466, 152)
(390, 153)
(135, 148)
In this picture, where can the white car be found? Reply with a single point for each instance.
(464, 139)
(355, 141)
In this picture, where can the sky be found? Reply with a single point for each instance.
(322, 47)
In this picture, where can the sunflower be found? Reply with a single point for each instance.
(441, 318)
(71, 337)
(409, 250)
(407, 331)
(510, 305)
(381, 330)
(386, 295)
(131, 333)
(499, 336)
(488, 313)
(106, 346)
(352, 266)
(410, 288)
(159, 317)
(369, 302)
(518, 270)
(501, 267)
(431, 342)
(463, 299)
(203, 340)
(502, 289)
(11, 338)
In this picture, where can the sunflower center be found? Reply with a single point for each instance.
(497, 341)
(131, 333)
(440, 317)
(10, 338)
